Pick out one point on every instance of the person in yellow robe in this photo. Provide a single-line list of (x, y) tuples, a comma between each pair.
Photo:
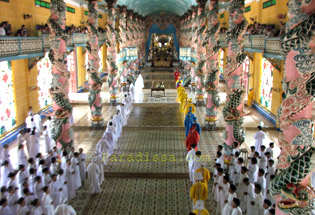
[(186, 102), (199, 208), (205, 174), (182, 101), (180, 90), (199, 190), (188, 105), (201, 212)]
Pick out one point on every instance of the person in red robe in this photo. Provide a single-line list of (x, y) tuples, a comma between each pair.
[(176, 75), (192, 138)]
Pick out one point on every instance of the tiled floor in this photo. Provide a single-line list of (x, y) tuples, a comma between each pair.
[(155, 128)]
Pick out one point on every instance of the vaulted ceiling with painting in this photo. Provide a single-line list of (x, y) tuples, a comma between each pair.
[(156, 7)]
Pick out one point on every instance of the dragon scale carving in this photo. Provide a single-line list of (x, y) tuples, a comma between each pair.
[(291, 187), (92, 47), (62, 133), (233, 75)]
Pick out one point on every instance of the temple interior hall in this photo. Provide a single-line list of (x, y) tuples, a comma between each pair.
[(173, 107)]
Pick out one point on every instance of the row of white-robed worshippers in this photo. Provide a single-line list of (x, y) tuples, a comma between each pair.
[(108, 143), (40, 185), (44, 183)]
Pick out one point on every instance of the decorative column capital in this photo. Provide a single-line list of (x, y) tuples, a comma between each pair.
[(189, 14), (194, 9), (122, 9), (110, 4), (201, 3)]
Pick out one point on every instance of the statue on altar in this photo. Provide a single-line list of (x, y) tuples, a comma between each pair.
[(162, 51)]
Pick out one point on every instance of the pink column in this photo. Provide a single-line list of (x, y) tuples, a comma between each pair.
[(111, 58), (95, 82), (213, 100), (62, 133), (292, 185), (233, 74)]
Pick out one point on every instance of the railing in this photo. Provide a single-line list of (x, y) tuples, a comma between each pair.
[(14, 46), (270, 45)]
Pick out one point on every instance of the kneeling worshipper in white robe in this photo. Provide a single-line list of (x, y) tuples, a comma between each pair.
[(122, 110), (47, 202), (128, 107), (94, 172), (132, 92), (99, 162), (138, 88), (110, 135), (118, 122), (65, 210), (105, 149)]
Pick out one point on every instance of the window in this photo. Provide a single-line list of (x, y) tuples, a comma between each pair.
[(247, 9), (221, 62), (246, 64), (71, 64), (222, 15), (70, 10), (100, 54), (43, 4), (44, 79), (86, 12), (5, 0), (269, 3), (266, 83), (7, 106), (100, 16)]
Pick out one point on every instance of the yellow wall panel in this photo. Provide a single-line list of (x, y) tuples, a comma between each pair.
[(21, 89), (224, 21), (267, 15), (14, 10), (257, 76), (81, 66)]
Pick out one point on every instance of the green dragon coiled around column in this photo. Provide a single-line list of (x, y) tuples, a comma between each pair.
[(292, 185), (60, 100), (293, 175), (61, 131)]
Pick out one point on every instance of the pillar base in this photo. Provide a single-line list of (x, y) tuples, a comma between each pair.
[(113, 101), (200, 101), (97, 124), (211, 124)]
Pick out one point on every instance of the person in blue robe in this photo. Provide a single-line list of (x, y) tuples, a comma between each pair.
[(189, 121), (198, 128)]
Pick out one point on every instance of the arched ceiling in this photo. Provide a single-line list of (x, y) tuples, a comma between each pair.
[(148, 7), (157, 7)]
